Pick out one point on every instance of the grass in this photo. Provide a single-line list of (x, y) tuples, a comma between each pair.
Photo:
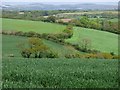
[(19, 72), (26, 26), (59, 73), (10, 46), (101, 40), (114, 20)]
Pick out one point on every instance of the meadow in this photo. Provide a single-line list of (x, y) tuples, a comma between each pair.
[(100, 40), (27, 25), (10, 46)]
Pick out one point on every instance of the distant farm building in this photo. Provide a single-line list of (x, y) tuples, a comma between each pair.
[(21, 13), (64, 20)]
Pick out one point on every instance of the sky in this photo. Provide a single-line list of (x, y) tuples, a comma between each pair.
[(60, 0)]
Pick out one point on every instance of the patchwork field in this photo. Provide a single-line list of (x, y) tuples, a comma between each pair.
[(26, 26), (101, 40), (60, 72)]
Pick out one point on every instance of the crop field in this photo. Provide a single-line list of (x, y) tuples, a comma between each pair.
[(19, 72), (26, 26), (57, 73), (100, 40), (10, 46)]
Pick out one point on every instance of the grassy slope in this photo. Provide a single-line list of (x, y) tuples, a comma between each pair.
[(34, 73), (10, 46), (103, 41), (36, 26)]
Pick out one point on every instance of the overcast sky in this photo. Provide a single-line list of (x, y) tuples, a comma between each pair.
[(60, 0)]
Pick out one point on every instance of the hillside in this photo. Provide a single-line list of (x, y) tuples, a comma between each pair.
[(13, 41), (59, 6), (101, 40), (26, 26)]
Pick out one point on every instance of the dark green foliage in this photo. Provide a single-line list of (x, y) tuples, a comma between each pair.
[(59, 73), (51, 54), (36, 48), (26, 53), (51, 19), (84, 21)]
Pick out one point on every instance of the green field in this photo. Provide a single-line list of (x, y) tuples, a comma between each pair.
[(114, 20), (19, 72), (59, 73), (101, 40), (26, 26), (10, 46)]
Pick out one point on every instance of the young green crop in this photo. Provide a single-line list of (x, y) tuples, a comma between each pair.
[(59, 73)]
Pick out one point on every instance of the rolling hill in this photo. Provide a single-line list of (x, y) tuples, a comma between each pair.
[(26, 26), (10, 46), (101, 40)]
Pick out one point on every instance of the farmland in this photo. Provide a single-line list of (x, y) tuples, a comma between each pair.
[(55, 73), (100, 39), (103, 41), (10, 46), (59, 73), (26, 26), (39, 52)]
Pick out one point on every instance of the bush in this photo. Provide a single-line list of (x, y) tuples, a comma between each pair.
[(51, 54), (77, 55), (30, 34), (26, 53), (90, 56), (107, 56), (116, 57)]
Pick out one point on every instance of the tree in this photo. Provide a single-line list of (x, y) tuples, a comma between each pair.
[(85, 44), (68, 31), (33, 46), (37, 46), (51, 19)]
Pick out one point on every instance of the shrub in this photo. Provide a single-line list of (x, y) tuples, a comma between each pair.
[(51, 54), (19, 33), (30, 34), (77, 55), (90, 56), (26, 53), (116, 57), (107, 56)]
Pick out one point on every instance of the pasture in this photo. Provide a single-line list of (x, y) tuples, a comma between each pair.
[(10, 46), (27, 25), (100, 40)]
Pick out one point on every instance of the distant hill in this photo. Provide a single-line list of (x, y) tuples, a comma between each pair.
[(57, 6)]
